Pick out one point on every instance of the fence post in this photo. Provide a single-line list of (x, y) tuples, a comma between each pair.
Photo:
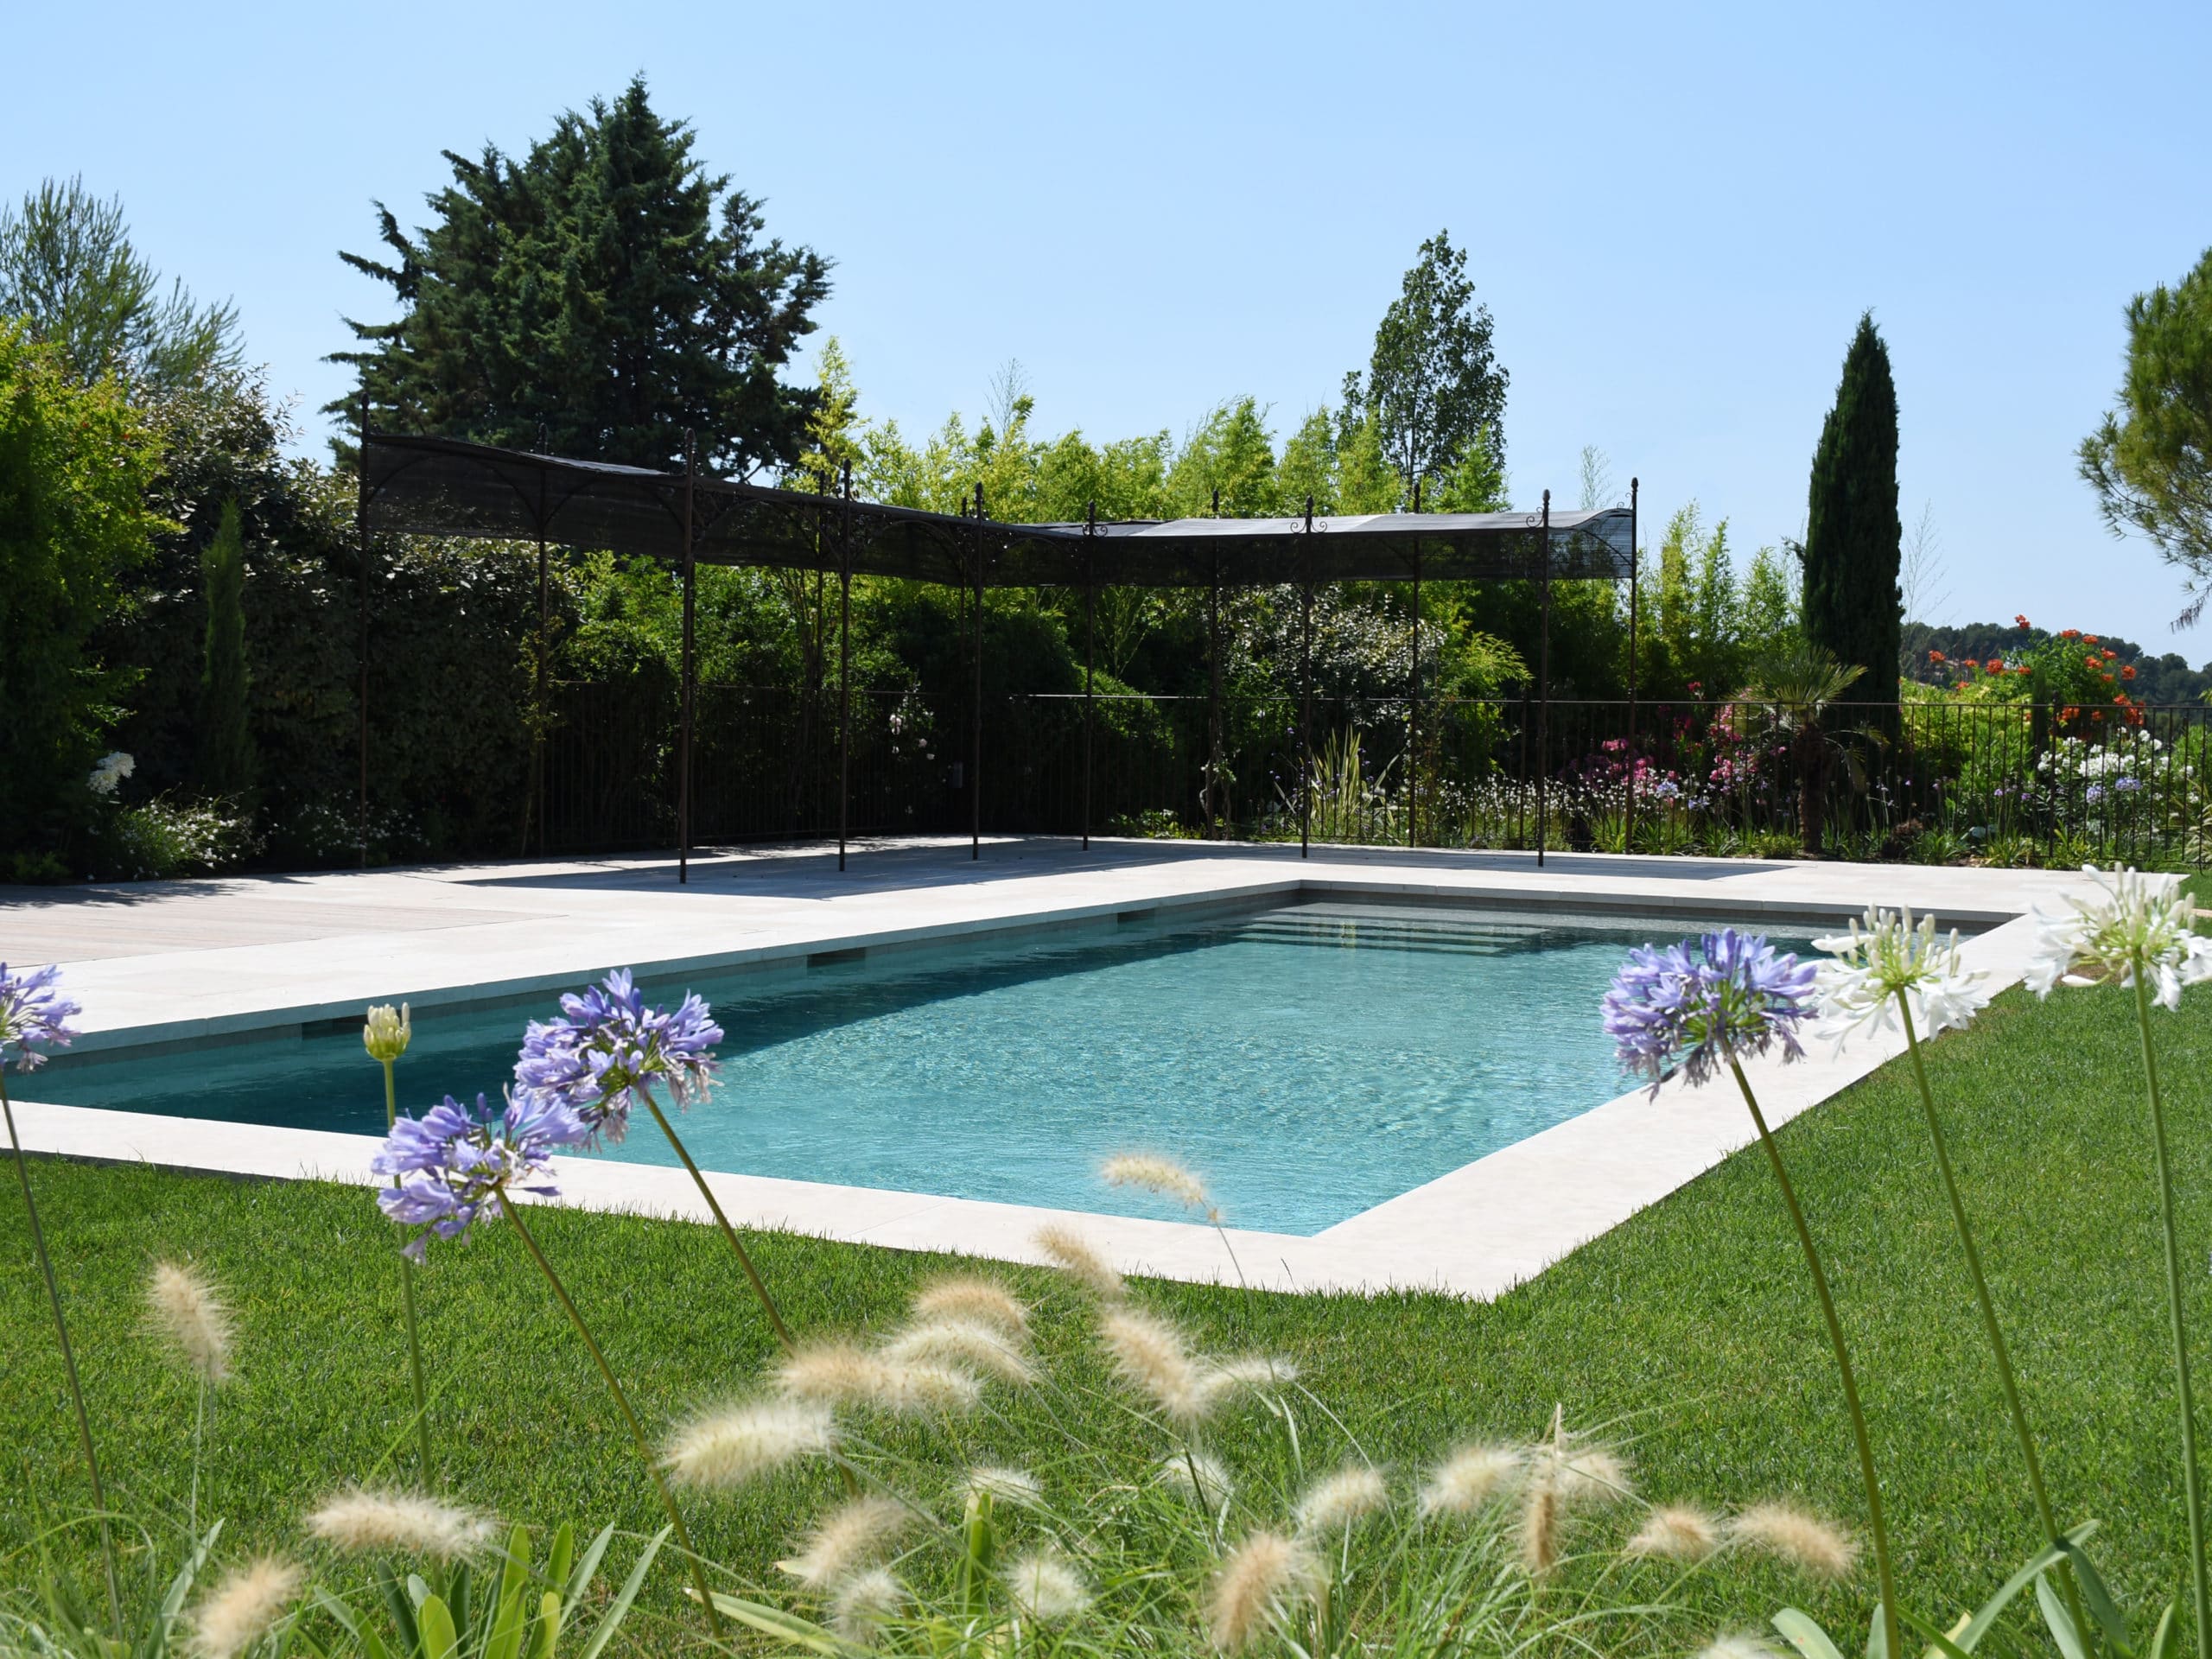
[(1628, 835), (1305, 692), (683, 723), (1544, 688), (1089, 655), (845, 666)]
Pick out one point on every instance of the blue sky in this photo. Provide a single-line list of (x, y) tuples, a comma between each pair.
[(1674, 214)]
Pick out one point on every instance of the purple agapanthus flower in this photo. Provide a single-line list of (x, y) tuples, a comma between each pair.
[(609, 1044), (449, 1165), (1679, 1010), (33, 1015)]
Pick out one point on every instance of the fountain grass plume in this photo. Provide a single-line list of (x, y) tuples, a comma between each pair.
[(737, 1443), (192, 1319), (1148, 1354), (1733, 999), (602, 1057), (1795, 1535), (864, 1603), (1003, 1485), (1342, 1498), (1264, 1580), (1046, 1587), (2139, 931), (1676, 1532), (849, 1537), (1736, 1644), (981, 1301), (1151, 1174), (245, 1608), (962, 1342), (1073, 1254), (1196, 1477), (34, 1016), (842, 1373), (367, 1521), (1472, 1476)]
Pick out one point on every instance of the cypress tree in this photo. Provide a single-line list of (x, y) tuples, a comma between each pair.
[(226, 758), (1853, 538)]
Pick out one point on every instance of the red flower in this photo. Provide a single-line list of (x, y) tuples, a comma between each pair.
[(1934, 656), (2110, 653), (2070, 633), (2069, 713), (1995, 665), (2088, 638), (2127, 670), (2020, 621), (2022, 668)]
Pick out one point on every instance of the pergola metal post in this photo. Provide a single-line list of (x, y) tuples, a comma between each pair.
[(361, 523), (683, 725), (844, 665), (975, 751), (1090, 656), (1544, 690), (1412, 706), (1627, 838), (1213, 693), (1305, 691)]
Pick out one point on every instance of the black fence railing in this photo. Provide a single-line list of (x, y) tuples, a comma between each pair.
[(1932, 782)]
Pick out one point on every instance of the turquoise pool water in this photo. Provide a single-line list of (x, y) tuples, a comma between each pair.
[(1309, 1061)]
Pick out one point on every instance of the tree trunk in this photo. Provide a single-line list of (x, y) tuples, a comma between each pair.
[(1809, 750)]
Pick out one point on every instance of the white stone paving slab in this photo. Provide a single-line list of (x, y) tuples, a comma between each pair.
[(183, 963)]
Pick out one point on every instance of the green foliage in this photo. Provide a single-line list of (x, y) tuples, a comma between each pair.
[(605, 290), (68, 270), (1433, 386), (75, 461), (1853, 538), (164, 837), (2150, 460), (225, 759)]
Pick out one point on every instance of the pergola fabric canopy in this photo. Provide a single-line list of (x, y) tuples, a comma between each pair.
[(443, 486)]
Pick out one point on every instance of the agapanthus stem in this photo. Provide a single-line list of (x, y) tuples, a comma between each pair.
[(68, 1360), (407, 1303), (744, 1259), (512, 1211), (1875, 1527), (2004, 1377), (2192, 1489)]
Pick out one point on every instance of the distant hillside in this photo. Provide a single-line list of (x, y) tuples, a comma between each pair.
[(2158, 679)]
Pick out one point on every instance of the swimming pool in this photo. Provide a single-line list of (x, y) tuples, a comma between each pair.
[(1309, 1059)]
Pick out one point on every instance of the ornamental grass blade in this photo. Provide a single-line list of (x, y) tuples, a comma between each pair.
[(2030, 1571), (2102, 1607), (373, 1645), (2162, 1645), (156, 1641), (618, 1609), (1877, 1636), (790, 1628), (2059, 1622), (1799, 1629), (440, 1640)]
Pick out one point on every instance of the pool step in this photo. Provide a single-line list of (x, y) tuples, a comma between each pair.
[(1385, 932)]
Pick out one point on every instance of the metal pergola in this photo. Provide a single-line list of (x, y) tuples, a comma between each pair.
[(446, 487)]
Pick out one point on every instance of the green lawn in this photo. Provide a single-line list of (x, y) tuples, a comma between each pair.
[(1693, 1320)]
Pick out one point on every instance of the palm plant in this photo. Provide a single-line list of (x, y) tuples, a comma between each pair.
[(1798, 690)]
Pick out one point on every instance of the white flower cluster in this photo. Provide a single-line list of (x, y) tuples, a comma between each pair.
[(1891, 956), (109, 771), (2133, 923)]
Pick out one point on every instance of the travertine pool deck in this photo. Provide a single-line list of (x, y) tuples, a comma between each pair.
[(188, 962)]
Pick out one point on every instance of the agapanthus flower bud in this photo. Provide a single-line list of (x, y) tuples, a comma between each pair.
[(32, 1016), (609, 1044), (388, 1032)]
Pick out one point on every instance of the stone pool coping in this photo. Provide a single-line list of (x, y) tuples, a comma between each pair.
[(226, 960)]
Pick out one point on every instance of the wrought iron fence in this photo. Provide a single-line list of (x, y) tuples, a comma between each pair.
[(1925, 781)]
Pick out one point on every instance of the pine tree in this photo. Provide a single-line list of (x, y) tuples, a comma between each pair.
[(1853, 538), (605, 290), (226, 758)]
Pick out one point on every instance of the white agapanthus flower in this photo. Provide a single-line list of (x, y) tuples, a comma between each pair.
[(1888, 955), (2132, 919), (109, 771)]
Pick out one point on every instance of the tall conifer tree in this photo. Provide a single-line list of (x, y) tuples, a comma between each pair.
[(1853, 538), (225, 757)]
